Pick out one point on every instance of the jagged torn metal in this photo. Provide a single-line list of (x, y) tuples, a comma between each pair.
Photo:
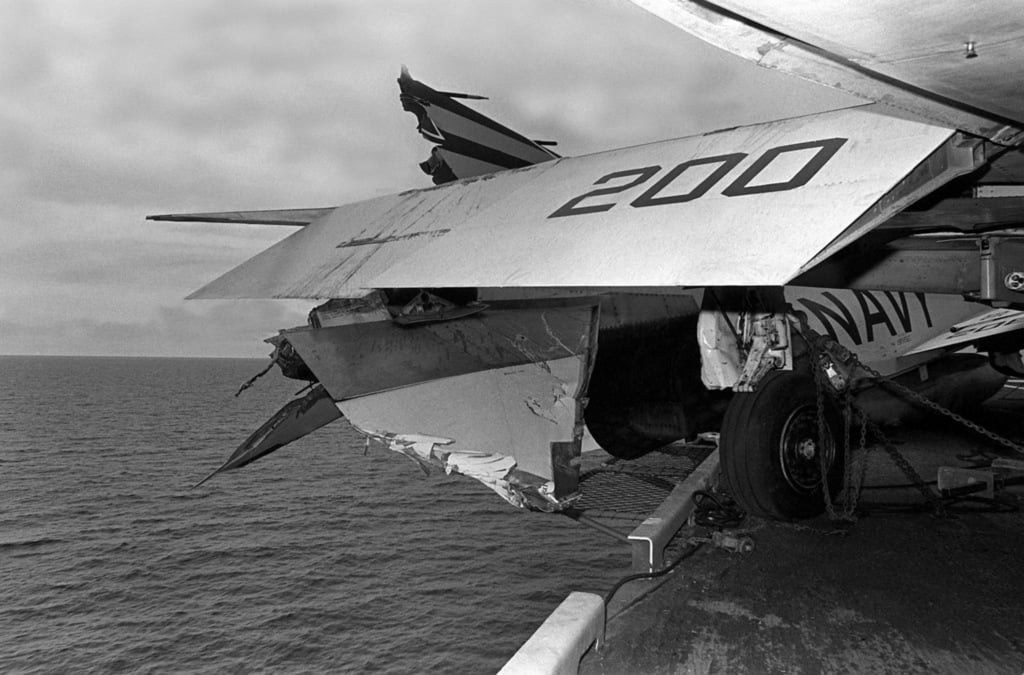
[(496, 426), (493, 470)]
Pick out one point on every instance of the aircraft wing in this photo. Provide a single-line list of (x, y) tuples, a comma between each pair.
[(753, 205), (944, 61), (500, 394)]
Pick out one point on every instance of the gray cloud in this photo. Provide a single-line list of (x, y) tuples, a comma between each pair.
[(201, 329), (113, 109)]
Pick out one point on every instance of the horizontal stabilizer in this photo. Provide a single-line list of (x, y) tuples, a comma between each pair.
[(297, 418), (989, 324), (753, 205), (293, 217)]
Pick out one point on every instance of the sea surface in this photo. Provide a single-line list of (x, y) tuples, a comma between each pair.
[(318, 558)]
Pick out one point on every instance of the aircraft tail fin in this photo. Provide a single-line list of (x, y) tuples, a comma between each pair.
[(467, 143)]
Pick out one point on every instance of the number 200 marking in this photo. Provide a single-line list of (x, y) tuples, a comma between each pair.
[(741, 186)]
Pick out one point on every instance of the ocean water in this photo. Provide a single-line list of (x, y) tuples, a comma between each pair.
[(319, 558)]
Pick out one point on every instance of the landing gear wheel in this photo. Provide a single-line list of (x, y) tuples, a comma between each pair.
[(771, 455)]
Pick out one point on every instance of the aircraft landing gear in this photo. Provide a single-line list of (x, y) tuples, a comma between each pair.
[(771, 456)]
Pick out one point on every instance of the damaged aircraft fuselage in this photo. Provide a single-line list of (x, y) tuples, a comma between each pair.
[(514, 393), (532, 307)]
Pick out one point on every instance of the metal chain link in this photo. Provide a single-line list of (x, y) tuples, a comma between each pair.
[(864, 459), (906, 467), (819, 391), (818, 347), (941, 410), (852, 493)]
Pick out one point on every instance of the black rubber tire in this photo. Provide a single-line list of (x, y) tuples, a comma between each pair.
[(753, 455)]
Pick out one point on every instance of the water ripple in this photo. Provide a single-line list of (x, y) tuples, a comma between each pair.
[(317, 558)]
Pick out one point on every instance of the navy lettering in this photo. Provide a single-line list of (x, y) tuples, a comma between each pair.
[(900, 309), (826, 315), (871, 319)]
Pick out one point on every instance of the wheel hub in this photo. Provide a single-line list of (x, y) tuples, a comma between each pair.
[(799, 450), (807, 449)]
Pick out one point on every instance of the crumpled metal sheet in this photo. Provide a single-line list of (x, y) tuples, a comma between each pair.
[(498, 472), (360, 358), (497, 396), (496, 426)]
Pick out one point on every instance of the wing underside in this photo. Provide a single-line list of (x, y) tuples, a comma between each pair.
[(937, 61)]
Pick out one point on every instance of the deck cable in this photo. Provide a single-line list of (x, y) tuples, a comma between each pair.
[(691, 549)]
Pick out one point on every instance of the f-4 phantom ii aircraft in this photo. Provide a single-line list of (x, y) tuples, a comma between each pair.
[(530, 307)]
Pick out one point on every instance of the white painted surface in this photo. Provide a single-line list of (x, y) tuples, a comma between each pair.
[(516, 412), (920, 43), (497, 231), (987, 324), (907, 55), (557, 646), (884, 328)]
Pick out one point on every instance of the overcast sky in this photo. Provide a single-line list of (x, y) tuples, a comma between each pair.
[(114, 109)]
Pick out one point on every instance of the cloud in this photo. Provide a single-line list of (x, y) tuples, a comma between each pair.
[(114, 109), (232, 329)]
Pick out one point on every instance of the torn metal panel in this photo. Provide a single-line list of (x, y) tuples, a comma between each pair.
[(497, 396), (493, 470), (358, 359), (297, 418), (517, 410), (347, 311), (468, 143), (497, 426)]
